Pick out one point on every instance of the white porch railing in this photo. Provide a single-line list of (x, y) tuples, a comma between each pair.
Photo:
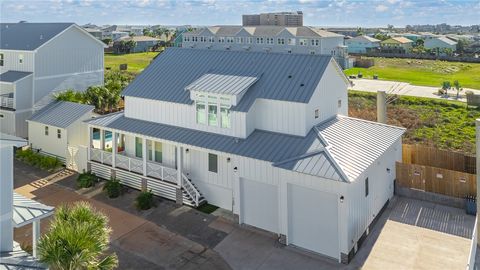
[(6, 102), (190, 189), (154, 169)]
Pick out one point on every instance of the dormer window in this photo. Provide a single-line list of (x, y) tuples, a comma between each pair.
[(200, 109)]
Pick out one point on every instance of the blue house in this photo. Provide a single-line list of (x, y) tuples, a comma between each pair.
[(362, 44)]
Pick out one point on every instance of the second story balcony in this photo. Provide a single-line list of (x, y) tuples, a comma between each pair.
[(7, 101)]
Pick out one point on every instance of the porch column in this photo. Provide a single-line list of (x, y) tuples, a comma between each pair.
[(90, 143), (102, 139), (35, 236), (144, 155), (114, 148), (179, 194)]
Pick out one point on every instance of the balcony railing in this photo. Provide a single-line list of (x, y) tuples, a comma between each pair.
[(6, 102)]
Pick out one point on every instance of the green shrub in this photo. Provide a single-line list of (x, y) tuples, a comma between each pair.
[(113, 188), (38, 160), (144, 200), (86, 180)]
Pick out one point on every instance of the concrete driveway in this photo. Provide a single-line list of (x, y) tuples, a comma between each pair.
[(402, 88)]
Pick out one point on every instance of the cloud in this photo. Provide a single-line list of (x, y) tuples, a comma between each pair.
[(381, 8), (392, 1)]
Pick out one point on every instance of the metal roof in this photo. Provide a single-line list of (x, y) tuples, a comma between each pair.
[(262, 145), (287, 77), (19, 259), (355, 144), (11, 141), (264, 31), (61, 113), (13, 76), (26, 211), (222, 84), (28, 36), (339, 149)]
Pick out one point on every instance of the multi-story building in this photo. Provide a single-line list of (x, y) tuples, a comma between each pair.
[(295, 40), (38, 60), (362, 44), (263, 135), (276, 18)]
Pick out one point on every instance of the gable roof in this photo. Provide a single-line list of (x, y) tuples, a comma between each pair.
[(138, 38), (265, 31), (363, 38), (61, 113), (13, 76), (28, 36), (287, 77), (401, 40), (222, 83), (446, 40), (339, 149)]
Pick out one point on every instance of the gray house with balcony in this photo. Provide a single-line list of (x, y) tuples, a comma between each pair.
[(38, 60)]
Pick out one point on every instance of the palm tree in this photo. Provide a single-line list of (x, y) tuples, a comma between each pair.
[(78, 239), (445, 86), (458, 88), (70, 95), (95, 95)]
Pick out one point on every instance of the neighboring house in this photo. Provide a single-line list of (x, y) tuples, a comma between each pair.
[(362, 44), (302, 40), (440, 44), (57, 126), (95, 33), (143, 43), (17, 211), (264, 135), (396, 45), (115, 35), (411, 36), (38, 60)]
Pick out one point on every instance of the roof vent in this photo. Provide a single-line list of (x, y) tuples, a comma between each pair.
[(289, 76), (302, 85)]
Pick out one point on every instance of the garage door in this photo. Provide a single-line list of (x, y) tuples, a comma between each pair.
[(313, 220), (259, 203)]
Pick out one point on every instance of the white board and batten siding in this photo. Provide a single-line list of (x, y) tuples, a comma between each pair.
[(11, 61)]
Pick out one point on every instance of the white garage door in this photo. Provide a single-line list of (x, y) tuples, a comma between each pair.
[(259, 203), (313, 220)]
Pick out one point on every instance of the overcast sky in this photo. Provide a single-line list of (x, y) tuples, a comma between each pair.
[(210, 12)]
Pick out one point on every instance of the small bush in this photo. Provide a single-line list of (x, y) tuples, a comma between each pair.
[(113, 188), (86, 180), (38, 160), (144, 200)]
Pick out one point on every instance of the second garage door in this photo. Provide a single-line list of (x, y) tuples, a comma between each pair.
[(312, 222), (259, 202)]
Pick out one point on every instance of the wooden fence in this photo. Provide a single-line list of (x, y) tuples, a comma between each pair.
[(429, 156), (437, 180)]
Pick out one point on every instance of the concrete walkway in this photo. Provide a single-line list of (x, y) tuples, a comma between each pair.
[(406, 89)]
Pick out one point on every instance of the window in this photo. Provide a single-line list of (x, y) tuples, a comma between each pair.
[(339, 103), (158, 151), (212, 163), (201, 119), (280, 41), (138, 147), (1, 59), (249, 40), (221, 39), (269, 40), (2, 116), (225, 116), (20, 58), (59, 134), (291, 41), (366, 187), (212, 114), (259, 40), (211, 39), (303, 42), (46, 131), (312, 52), (229, 39), (239, 40), (317, 114), (314, 42)]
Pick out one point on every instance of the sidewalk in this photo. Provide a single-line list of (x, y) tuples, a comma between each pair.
[(406, 89)]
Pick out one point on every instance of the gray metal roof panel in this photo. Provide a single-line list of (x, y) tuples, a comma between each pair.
[(355, 144), (287, 77), (28, 36), (13, 76), (25, 210), (262, 145), (61, 113), (230, 84)]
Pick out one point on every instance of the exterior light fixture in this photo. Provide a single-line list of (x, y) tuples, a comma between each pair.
[(235, 169), (342, 198), (187, 150), (228, 159)]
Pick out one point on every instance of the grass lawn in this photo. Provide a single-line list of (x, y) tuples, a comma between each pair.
[(439, 123), (136, 61), (422, 72)]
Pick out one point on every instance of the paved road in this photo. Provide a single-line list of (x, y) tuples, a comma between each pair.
[(402, 88)]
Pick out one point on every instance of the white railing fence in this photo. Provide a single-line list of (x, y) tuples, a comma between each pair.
[(154, 169), (473, 248)]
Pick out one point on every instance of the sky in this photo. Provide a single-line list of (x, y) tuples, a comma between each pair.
[(356, 13)]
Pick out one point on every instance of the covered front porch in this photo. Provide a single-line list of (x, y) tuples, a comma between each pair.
[(156, 165)]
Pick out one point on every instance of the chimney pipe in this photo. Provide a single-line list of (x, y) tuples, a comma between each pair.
[(381, 107), (6, 198)]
